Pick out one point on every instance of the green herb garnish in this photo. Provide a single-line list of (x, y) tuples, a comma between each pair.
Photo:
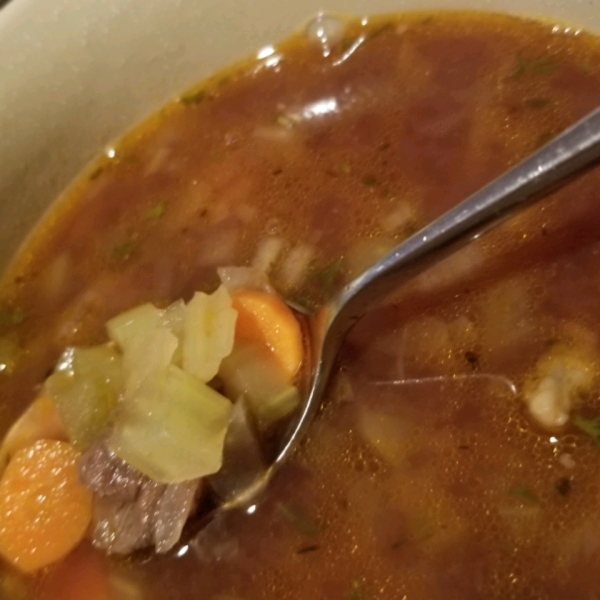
[(329, 275), (193, 98), (589, 426), (96, 173), (522, 491), (538, 102), (157, 211), (11, 316), (123, 251), (303, 524), (544, 65), (369, 180)]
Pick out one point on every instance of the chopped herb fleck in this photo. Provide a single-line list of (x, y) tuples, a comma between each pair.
[(96, 173), (298, 520), (346, 168), (11, 316), (524, 492), (308, 549), (538, 102), (157, 211), (193, 98), (544, 65), (123, 251), (589, 426), (370, 180), (563, 486), (381, 29)]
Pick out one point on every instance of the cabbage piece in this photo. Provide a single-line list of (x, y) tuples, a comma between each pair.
[(209, 329), (129, 326), (173, 318), (252, 372), (147, 357), (173, 428), (85, 388)]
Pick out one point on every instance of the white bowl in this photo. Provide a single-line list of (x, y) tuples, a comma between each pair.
[(76, 73)]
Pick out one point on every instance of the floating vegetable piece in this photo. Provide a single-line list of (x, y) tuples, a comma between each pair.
[(129, 326), (243, 461), (40, 421), (209, 328), (174, 429), (146, 359), (234, 278), (44, 510), (561, 377), (265, 319), (251, 371), (85, 388)]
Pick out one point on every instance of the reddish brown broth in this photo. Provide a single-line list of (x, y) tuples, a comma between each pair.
[(442, 488)]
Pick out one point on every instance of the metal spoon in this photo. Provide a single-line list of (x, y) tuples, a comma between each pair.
[(568, 154)]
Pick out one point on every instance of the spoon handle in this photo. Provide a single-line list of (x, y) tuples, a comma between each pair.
[(566, 155)]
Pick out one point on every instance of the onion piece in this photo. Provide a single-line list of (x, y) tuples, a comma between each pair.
[(252, 372), (267, 253), (387, 435), (295, 265), (209, 329), (234, 278), (243, 461)]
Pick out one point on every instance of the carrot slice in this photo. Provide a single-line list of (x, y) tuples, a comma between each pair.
[(81, 576), (44, 510), (40, 421), (264, 318)]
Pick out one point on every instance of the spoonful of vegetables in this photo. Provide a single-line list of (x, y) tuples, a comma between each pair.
[(213, 394)]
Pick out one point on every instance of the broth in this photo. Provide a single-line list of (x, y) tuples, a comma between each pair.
[(424, 476)]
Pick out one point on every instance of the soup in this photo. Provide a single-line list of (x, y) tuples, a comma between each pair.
[(455, 453)]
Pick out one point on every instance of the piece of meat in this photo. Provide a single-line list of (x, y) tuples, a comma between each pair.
[(131, 511)]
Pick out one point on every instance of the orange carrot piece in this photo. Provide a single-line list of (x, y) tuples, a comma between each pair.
[(40, 421), (81, 576), (264, 318), (44, 510)]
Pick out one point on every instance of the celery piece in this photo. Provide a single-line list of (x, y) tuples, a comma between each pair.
[(252, 372), (208, 334), (85, 388), (174, 429), (130, 325)]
